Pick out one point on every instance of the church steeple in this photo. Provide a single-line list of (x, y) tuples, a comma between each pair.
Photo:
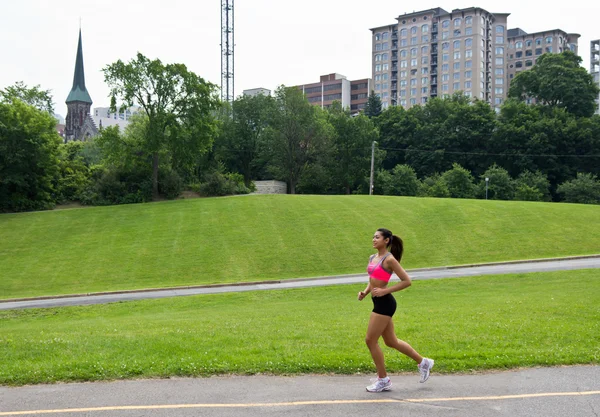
[(79, 92)]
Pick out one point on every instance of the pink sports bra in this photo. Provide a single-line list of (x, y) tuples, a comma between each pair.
[(377, 271)]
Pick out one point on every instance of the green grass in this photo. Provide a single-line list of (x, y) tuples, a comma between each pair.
[(466, 324), (250, 238)]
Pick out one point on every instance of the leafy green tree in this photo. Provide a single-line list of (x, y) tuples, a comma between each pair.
[(298, 133), (584, 189), (74, 176), (34, 96), (460, 182), (179, 106), (29, 148), (243, 135), (500, 186), (351, 146), (558, 80), (433, 186), (404, 181), (397, 128), (532, 186), (373, 106)]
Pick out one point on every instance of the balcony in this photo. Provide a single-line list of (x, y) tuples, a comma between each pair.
[(394, 78)]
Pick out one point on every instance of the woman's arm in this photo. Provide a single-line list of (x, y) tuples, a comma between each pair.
[(363, 294)]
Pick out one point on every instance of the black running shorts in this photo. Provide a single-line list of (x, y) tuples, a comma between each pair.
[(385, 305)]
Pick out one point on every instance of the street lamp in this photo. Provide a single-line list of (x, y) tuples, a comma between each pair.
[(487, 180), (372, 167)]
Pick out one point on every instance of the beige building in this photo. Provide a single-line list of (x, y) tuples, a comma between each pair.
[(435, 53), (524, 48), (595, 67), (352, 94)]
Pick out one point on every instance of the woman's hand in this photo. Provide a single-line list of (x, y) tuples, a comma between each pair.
[(361, 295), (379, 292)]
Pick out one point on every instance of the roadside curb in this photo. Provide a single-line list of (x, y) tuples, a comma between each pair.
[(271, 282)]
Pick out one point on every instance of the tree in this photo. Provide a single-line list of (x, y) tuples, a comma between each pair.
[(179, 106), (558, 80), (29, 147), (298, 133), (373, 107), (351, 144), (433, 186), (35, 96), (404, 181), (460, 182), (532, 186), (243, 135), (584, 189), (500, 185)]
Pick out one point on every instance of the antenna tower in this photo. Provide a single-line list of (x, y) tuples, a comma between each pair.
[(227, 48)]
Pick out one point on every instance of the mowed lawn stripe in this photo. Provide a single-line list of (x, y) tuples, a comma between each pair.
[(253, 238)]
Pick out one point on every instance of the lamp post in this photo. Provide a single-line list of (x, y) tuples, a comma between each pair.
[(487, 180), (372, 167)]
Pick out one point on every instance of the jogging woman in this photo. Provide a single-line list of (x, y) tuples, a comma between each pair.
[(381, 266)]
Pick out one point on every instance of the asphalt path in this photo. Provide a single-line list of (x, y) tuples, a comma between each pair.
[(548, 392), (543, 265)]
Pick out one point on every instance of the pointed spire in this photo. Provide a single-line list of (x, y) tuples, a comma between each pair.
[(79, 92)]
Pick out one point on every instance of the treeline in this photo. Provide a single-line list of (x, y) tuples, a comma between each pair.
[(186, 139)]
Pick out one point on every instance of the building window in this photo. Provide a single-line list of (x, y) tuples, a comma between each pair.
[(456, 32), (378, 36), (378, 77), (499, 90), (549, 49), (413, 30), (384, 86), (499, 39), (423, 100), (469, 20), (499, 50), (538, 51), (425, 50), (499, 61), (425, 39), (467, 85), (403, 102), (456, 76), (518, 54), (499, 29), (457, 55), (519, 64), (385, 46), (403, 64), (403, 83), (403, 32), (499, 71), (468, 74), (413, 81), (445, 46), (385, 67), (403, 53), (499, 81), (446, 24), (383, 77), (425, 60), (403, 74), (403, 42), (468, 53), (425, 29), (413, 91), (445, 67), (538, 41), (413, 52), (528, 43), (528, 63), (519, 44), (384, 35), (402, 93), (445, 87), (468, 64), (528, 52), (413, 62), (425, 71), (456, 66), (549, 39), (445, 77), (445, 34), (424, 80), (456, 86), (468, 43), (413, 101), (445, 57), (469, 31), (424, 90), (456, 44), (378, 47), (413, 40), (498, 101), (457, 22)]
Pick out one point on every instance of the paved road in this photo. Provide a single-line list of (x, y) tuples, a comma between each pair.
[(547, 392), (431, 273)]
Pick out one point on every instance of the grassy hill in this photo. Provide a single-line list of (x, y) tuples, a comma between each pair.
[(250, 238)]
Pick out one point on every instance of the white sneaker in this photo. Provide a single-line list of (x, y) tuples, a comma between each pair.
[(380, 385), (424, 368)]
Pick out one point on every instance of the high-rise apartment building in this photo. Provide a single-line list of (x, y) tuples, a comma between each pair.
[(332, 87), (524, 48), (435, 53), (595, 67)]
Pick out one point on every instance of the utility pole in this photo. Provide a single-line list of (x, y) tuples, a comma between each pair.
[(372, 167)]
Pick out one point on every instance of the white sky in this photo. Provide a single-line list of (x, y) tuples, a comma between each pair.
[(277, 41)]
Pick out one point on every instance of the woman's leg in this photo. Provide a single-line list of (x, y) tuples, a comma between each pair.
[(390, 339), (377, 323)]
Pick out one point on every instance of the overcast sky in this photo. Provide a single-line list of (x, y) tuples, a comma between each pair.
[(277, 41)]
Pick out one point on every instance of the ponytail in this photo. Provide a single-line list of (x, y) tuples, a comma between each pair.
[(395, 244), (396, 247)]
